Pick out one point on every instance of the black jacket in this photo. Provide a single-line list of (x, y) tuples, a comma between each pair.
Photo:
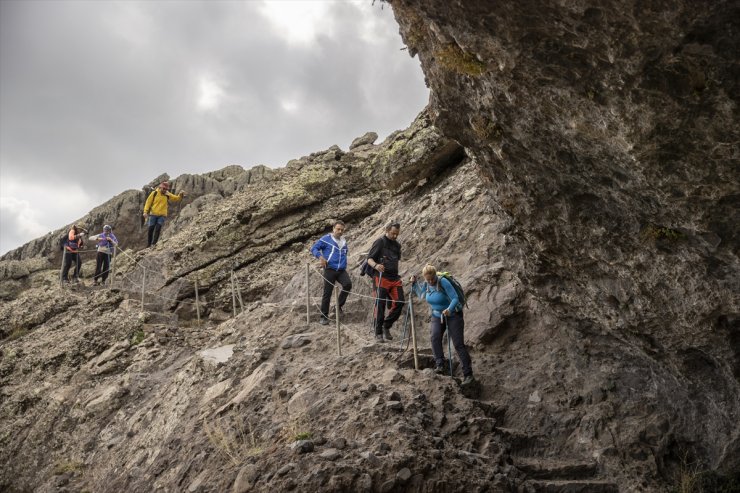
[(387, 252)]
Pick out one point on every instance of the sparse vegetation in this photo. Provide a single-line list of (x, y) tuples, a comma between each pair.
[(17, 333), (138, 336), (304, 435), (453, 58), (693, 478), (65, 467), (662, 233), (236, 442), (296, 430)]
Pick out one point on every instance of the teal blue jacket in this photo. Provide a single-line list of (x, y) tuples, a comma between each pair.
[(439, 299)]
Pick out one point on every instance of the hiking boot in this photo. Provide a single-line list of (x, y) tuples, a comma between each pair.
[(439, 369), (324, 321), (468, 380), (379, 338), (387, 334)]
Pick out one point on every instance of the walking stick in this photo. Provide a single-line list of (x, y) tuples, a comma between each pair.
[(413, 329), (405, 326), (61, 272), (377, 298)]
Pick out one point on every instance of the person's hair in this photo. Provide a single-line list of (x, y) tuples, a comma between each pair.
[(429, 269), (338, 221), (392, 225)]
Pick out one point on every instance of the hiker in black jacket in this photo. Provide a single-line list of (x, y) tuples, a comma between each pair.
[(384, 257)]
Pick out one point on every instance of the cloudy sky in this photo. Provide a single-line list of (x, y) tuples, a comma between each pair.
[(97, 97)]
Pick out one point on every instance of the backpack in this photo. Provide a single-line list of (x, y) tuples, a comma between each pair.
[(63, 242), (366, 270), (458, 288)]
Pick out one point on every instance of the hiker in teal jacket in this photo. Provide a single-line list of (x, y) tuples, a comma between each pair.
[(447, 314)]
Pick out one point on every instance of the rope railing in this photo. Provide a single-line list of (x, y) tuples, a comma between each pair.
[(339, 288), (237, 299)]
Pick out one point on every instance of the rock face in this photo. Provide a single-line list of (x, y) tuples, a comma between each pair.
[(590, 217), (124, 212), (608, 133)]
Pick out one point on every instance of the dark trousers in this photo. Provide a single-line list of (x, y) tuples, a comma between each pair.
[(102, 266), (455, 325), (153, 234), (392, 293), (71, 259), (332, 276)]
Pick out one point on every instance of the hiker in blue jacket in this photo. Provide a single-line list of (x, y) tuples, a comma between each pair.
[(331, 250), (447, 314)]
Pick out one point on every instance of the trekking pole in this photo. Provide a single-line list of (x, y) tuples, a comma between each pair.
[(336, 317), (405, 326), (449, 342), (197, 302), (143, 284), (413, 329), (113, 266), (377, 299), (308, 298)]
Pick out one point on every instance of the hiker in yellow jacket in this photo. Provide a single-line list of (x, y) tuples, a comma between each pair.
[(155, 209)]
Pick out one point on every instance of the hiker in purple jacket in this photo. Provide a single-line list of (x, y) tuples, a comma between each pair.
[(105, 242)]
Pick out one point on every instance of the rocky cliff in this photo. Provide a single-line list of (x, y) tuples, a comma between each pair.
[(576, 169), (608, 132)]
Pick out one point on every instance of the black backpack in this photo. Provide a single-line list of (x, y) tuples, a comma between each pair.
[(366, 270)]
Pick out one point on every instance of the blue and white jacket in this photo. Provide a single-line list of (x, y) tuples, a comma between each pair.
[(334, 253)]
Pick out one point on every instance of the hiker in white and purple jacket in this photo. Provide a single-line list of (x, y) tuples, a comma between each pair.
[(106, 242), (331, 250)]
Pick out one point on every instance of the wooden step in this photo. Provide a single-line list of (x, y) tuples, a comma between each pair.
[(569, 486), (539, 468)]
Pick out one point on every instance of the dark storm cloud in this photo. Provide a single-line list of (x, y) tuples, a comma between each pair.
[(107, 95)]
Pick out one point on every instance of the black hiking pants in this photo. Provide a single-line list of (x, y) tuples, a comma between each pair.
[(102, 266), (455, 326), (331, 277), (70, 259)]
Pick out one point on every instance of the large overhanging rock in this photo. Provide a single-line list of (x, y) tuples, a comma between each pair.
[(609, 132)]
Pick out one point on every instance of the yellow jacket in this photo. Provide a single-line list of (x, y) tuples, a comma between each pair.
[(156, 203)]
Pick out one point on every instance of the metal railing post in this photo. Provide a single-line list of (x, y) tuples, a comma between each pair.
[(197, 302), (233, 293), (308, 298), (336, 317), (143, 285), (413, 329)]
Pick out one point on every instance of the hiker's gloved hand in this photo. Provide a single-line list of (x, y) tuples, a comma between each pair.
[(412, 279), (446, 312), (323, 262)]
